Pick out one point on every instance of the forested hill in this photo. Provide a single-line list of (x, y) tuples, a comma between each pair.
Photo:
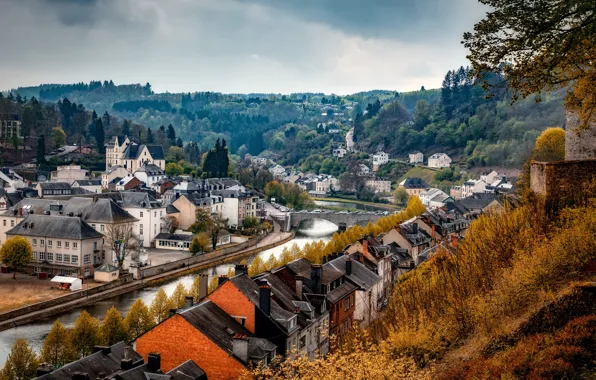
[(456, 119)]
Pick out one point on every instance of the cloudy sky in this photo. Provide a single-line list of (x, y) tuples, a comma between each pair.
[(332, 46)]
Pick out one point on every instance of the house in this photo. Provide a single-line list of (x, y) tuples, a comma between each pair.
[(146, 209), (416, 158), (479, 203), (378, 159), (413, 185), (455, 192), (252, 304), (363, 170), (106, 273), (91, 185), (339, 152), (278, 171), (369, 287), (53, 188), (379, 185), (164, 185), (376, 257), (439, 160), (187, 205), (119, 362), (10, 126), (238, 205), (150, 174), (8, 200), (122, 151), (489, 177), (11, 181), (114, 172), (410, 237), (69, 173), (179, 241), (62, 245), (127, 183), (206, 334), (433, 198), (472, 186)]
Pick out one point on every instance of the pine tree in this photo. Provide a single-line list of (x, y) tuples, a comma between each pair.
[(57, 347), (126, 127), (150, 138), (85, 334), (171, 134), (138, 319), (41, 150), (179, 143), (21, 363), (100, 136), (160, 307), (113, 328)]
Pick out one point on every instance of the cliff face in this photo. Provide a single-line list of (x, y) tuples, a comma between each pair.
[(579, 144)]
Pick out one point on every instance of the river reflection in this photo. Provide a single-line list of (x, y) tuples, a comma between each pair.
[(35, 332)]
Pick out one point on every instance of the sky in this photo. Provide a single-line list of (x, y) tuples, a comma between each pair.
[(236, 46)]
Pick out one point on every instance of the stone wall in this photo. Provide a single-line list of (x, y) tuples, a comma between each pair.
[(563, 179), (579, 144)]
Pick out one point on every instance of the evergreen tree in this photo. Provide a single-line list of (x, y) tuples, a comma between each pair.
[(100, 136), (57, 347), (171, 134), (138, 319), (126, 127), (179, 143), (21, 363), (113, 328), (85, 334), (41, 150), (150, 138)]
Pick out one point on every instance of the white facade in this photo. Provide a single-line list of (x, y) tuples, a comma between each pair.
[(69, 173), (472, 186), (363, 169), (150, 177), (91, 187), (416, 158), (439, 160), (339, 152), (278, 171), (434, 198), (489, 177), (113, 173), (379, 185), (380, 158), (350, 140), (148, 225), (367, 309)]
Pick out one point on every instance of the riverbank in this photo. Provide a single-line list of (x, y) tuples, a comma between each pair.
[(53, 307), (385, 206)]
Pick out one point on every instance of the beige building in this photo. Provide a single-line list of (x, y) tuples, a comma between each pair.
[(115, 171), (187, 205), (10, 126), (69, 173), (413, 185), (131, 155), (62, 245), (379, 185)]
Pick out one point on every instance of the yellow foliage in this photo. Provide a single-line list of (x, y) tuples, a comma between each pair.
[(550, 145)]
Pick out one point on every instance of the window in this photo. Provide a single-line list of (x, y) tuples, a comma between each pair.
[(67, 259), (50, 256), (34, 241), (42, 256), (66, 244), (49, 243), (87, 259), (95, 246), (155, 214), (59, 244), (141, 214), (58, 257), (42, 242), (101, 228), (74, 245), (161, 213), (4, 222), (35, 255), (12, 223), (140, 229), (347, 303), (87, 272), (93, 225), (74, 259), (302, 342)]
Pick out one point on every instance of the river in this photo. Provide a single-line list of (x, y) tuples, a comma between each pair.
[(36, 332)]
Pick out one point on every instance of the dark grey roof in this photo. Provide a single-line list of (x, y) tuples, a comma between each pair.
[(106, 268), (341, 291), (88, 182), (136, 199), (171, 209), (414, 183), (11, 198), (361, 276), (156, 152), (37, 205), (174, 237), (119, 139), (331, 273), (55, 185), (133, 151), (300, 267), (477, 201), (259, 348), (98, 210), (94, 364), (419, 238), (151, 169), (78, 191), (186, 370), (63, 227)]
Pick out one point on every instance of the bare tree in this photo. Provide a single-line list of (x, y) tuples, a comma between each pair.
[(123, 241), (170, 224), (217, 223)]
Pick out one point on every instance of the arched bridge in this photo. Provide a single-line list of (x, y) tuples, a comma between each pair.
[(341, 219)]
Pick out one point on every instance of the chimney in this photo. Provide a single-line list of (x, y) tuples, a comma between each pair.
[(265, 299), (221, 280), (433, 232), (105, 349), (454, 240), (203, 286), (348, 266), (80, 376), (20, 211), (414, 228), (240, 347), (188, 301), (44, 369), (241, 269), (316, 278), (299, 284), (154, 361), (172, 312), (365, 246), (125, 364), (325, 259)]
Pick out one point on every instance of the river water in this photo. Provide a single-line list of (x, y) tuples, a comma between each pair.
[(36, 332)]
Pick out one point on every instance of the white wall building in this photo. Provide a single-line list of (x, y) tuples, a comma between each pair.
[(434, 198), (278, 171), (69, 173), (91, 185), (416, 158), (489, 177), (439, 160), (150, 174), (472, 186), (339, 152), (380, 158)]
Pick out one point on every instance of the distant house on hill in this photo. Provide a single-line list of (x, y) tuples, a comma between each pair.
[(439, 160), (416, 158), (413, 185), (130, 155)]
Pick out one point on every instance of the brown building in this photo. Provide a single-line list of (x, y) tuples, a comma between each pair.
[(207, 335)]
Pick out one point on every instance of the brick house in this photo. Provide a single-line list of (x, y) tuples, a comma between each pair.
[(207, 335)]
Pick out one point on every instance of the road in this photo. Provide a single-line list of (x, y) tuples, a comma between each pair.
[(67, 149)]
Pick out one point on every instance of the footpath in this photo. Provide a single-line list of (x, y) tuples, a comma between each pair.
[(27, 314)]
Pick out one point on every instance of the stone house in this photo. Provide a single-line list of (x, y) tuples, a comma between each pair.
[(439, 160)]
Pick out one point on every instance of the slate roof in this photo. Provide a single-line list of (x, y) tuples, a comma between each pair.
[(55, 185), (186, 370), (156, 152), (174, 237), (407, 230), (414, 183), (98, 210), (361, 276), (341, 291), (133, 151), (106, 268), (120, 140), (11, 198), (220, 328), (136, 199), (300, 267), (88, 182), (151, 169), (62, 227), (37, 205), (171, 209), (94, 364)]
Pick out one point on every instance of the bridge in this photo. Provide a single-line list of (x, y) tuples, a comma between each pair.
[(341, 219)]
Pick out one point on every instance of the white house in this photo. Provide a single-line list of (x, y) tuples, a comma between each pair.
[(339, 152), (11, 181), (434, 198), (380, 158), (147, 210), (379, 185), (278, 171), (363, 169), (439, 160), (416, 158), (115, 171), (150, 174), (489, 177), (472, 186)]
